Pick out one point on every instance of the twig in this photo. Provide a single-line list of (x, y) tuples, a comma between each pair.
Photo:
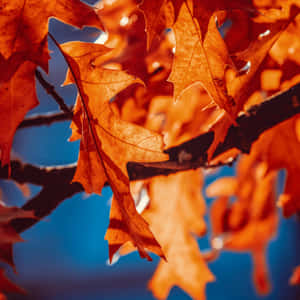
[(45, 202), (47, 119), (43, 176), (51, 91)]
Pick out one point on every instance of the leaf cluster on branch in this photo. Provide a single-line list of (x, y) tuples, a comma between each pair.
[(177, 86)]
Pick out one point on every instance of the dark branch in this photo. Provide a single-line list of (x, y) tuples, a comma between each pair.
[(260, 118), (45, 202), (27, 173), (56, 181), (251, 125), (47, 119), (57, 187), (51, 91)]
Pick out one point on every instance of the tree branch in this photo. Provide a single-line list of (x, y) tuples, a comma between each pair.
[(57, 187), (251, 125), (44, 176), (45, 202), (56, 181), (51, 91)]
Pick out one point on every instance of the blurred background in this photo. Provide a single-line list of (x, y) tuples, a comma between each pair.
[(65, 255)]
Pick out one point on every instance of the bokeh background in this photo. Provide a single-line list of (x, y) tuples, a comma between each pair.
[(65, 255)]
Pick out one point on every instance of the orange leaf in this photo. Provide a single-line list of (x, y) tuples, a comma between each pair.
[(199, 59), (176, 211), (175, 202), (18, 97), (272, 147), (266, 31), (158, 16), (295, 278), (108, 143), (24, 26), (251, 221)]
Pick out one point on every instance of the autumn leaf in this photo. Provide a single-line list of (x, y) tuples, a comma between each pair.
[(199, 59), (184, 119), (228, 56), (159, 15), (111, 14), (270, 148), (7, 286), (177, 199), (97, 85), (162, 14), (252, 60), (176, 202), (108, 143), (250, 222), (235, 89), (295, 278), (23, 44), (14, 105), (266, 33), (126, 35), (24, 26)]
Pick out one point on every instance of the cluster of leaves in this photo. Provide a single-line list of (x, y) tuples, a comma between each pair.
[(169, 71)]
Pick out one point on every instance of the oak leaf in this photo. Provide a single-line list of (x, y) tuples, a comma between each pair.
[(271, 148), (199, 59), (251, 221), (260, 33), (23, 46), (126, 35), (177, 203), (265, 32), (175, 213), (159, 15), (108, 143), (18, 96), (24, 26)]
